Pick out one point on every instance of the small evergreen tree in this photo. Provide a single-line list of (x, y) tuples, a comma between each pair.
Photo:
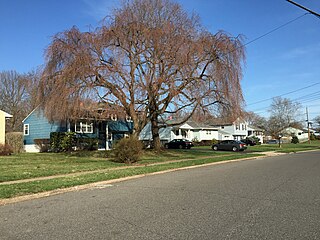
[(294, 139)]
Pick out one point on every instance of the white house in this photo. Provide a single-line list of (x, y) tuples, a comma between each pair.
[(256, 132), (236, 130), (216, 129), (290, 131), (190, 130)]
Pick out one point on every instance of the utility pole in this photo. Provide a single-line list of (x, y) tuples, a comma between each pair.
[(304, 8), (308, 123)]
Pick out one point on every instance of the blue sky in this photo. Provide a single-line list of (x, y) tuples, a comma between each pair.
[(286, 60)]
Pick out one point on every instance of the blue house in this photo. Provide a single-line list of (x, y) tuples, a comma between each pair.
[(107, 131)]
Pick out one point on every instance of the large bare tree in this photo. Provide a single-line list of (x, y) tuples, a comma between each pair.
[(18, 95), (283, 113), (151, 58)]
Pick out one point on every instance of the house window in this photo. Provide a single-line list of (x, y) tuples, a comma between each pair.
[(26, 129), (84, 127), (113, 117), (128, 119)]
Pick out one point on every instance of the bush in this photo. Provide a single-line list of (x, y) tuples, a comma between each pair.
[(214, 141), (312, 137), (15, 141), (295, 140), (128, 150), (203, 143), (5, 150), (89, 144), (254, 138), (43, 144), (62, 141)]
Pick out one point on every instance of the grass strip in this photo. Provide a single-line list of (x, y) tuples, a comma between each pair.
[(28, 166), (20, 189)]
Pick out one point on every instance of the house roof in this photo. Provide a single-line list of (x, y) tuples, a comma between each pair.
[(224, 132), (192, 124), (196, 125), (6, 115), (223, 121), (255, 128)]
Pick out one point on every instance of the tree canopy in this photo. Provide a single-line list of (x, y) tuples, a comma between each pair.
[(283, 113), (17, 96), (151, 58)]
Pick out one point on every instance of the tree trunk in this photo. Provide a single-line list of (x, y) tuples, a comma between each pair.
[(155, 135)]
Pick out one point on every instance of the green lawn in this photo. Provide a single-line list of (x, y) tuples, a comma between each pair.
[(285, 147), (28, 166), (19, 189), (32, 165)]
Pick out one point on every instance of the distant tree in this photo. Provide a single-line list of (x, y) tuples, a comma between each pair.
[(17, 96), (283, 113), (317, 121), (255, 120), (151, 58)]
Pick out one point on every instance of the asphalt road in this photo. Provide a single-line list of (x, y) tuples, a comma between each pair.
[(270, 198)]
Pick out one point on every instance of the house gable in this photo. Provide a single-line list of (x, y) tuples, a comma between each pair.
[(37, 126)]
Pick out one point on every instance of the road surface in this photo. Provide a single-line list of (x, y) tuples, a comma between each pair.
[(269, 198)]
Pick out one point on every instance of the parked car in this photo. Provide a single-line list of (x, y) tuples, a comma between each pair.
[(249, 142), (179, 143), (230, 145)]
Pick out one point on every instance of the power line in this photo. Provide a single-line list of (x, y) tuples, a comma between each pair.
[(304, 8), (267, 33), (315, 96), (275, 29), (284, 94)]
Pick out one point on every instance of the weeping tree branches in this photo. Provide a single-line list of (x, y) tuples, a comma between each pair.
[(150, 58)]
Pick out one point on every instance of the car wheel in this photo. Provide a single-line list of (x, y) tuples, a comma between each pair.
[(215, 148), (180, 146), (234, 149), (166, 146)]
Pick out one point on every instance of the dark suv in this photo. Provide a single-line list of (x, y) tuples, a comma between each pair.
[(179, 143), (249, 142)]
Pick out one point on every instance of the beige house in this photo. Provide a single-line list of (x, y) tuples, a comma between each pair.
[(3, 117)]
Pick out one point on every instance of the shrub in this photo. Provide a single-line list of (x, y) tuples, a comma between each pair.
[(62, 141), (254, 138), (15, 141), (43, 144), (295, 140), (203, 143), (89, 144), (128, 150), (5, 150), (312, 137), (214, 141)]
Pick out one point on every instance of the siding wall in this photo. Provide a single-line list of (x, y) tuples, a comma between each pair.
[(39, 127)]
